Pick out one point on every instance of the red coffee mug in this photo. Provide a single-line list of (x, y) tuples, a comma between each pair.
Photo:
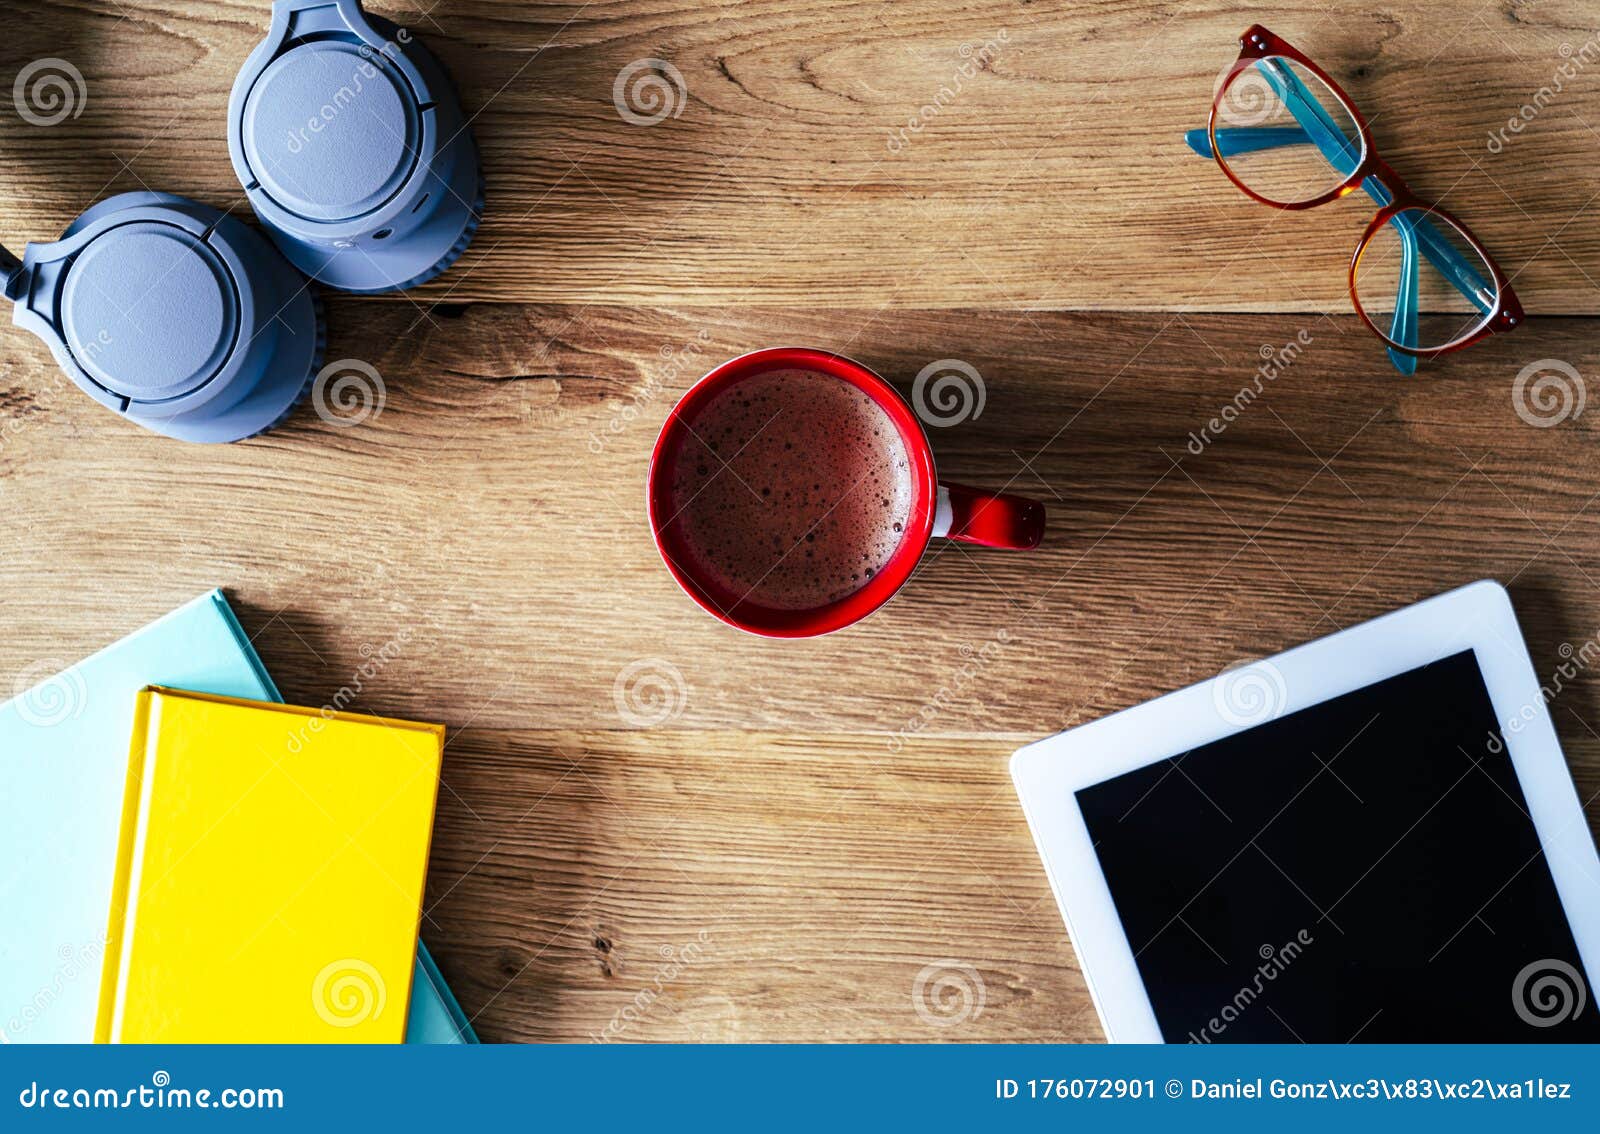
[(954, 511)]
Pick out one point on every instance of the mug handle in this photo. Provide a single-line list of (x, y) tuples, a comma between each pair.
[(989, 519)]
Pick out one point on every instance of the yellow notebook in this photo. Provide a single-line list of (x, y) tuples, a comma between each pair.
[(269, 874)]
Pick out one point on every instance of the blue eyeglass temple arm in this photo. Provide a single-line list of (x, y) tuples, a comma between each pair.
[(1317, 127), (1344, 154), (1233, 140)]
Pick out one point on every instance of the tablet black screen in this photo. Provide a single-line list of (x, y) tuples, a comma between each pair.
[(1363, 870)]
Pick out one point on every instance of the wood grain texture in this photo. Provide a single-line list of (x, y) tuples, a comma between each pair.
[(493, 513), (992, 153), (835, 815), (653, 828), (688, 886)]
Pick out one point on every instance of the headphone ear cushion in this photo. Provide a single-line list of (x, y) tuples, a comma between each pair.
[(175, 315), (313, 369), (474, 218), (353, 150)]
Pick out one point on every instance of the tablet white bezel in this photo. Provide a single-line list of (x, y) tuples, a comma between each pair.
[(1478, 616)]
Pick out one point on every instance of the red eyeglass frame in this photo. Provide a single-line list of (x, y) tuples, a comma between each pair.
[(1258, 43)]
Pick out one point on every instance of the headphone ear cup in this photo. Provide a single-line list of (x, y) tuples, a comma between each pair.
[(175, 315), (353, 150)]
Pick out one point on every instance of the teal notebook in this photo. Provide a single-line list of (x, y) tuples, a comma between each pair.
[(63, 763)]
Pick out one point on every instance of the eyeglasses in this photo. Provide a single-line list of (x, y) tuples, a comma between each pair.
[(1289, 137)]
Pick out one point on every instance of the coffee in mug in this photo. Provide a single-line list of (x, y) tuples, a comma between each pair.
[(794, 489), (792, 492)]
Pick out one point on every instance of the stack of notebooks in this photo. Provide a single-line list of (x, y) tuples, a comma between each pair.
[(183, 858)]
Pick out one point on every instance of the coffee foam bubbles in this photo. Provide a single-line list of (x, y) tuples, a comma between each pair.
[(792, 490)]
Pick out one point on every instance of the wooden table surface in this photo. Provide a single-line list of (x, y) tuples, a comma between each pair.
[(652, 827)]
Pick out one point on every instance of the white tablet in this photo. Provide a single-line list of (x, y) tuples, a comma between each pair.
[(1373, 837)]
